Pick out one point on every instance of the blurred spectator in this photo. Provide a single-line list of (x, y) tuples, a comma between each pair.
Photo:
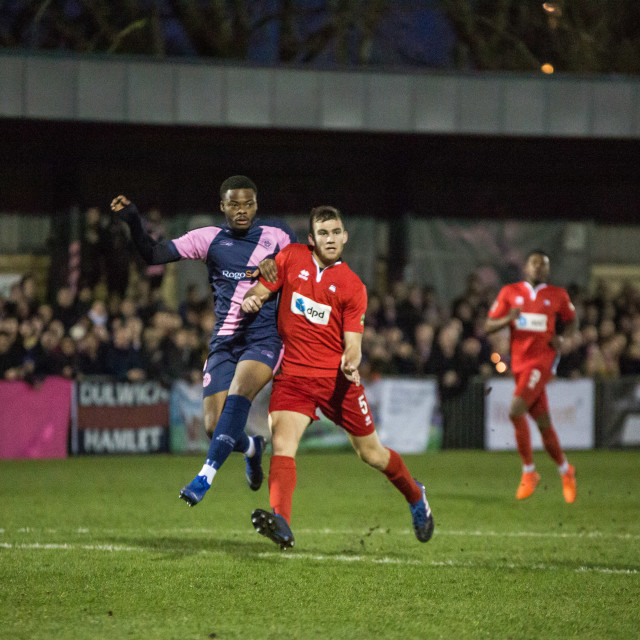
[(69, 358), (149, 301), (98, 314), (403, 360), (387, 316), (48, 358), (372, 314), (91, 356), (114, 301), (30, 333), (94, 246), (153, 360), (127, 310), (45, 313), (572, 355), (431, 310), (193, 305), (122, 359), (409, 312), (11, 357), (182, 358), (444, 362), (463, 311), (630, 360), (473, 359), (424, 334), (84, 300), (66, 309), (29, 295)]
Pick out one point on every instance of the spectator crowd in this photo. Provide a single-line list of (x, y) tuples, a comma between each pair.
[(125, 330)]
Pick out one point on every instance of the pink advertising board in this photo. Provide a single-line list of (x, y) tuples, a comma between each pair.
[(34, 421)]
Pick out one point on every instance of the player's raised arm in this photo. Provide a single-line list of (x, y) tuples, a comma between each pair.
[(255, 298), (151, 250)]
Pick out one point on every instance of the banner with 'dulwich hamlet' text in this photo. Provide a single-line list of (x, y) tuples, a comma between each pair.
[(120, 417)]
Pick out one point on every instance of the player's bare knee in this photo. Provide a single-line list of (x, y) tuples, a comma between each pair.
[(209, 427), (374, 457), (246, 390), (518, 408), (282, 445)]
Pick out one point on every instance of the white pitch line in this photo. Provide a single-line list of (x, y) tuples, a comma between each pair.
[(453, 564), (541, 534), (65, 546), (342, 532)]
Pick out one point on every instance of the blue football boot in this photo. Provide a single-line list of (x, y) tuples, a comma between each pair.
[(274, 527), (195, 490), (254, 472), (422, 516)]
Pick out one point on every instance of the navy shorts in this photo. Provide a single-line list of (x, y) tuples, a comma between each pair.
[(220, 366)]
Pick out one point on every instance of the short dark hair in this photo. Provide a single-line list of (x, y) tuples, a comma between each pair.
[(323, 213), (536, 252), (237, 182)]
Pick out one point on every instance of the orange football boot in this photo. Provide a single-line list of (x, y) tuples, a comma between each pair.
[(528, 484), (569, 489)]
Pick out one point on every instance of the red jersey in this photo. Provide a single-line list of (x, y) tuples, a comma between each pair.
[(536, 324), (316, 307)]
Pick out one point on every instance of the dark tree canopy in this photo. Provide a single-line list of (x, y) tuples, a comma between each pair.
[(577, 36)]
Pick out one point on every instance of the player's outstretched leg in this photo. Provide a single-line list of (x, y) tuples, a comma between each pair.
[(421, 515), (274, 527), (195, 490), (569, 489), (254, 472)]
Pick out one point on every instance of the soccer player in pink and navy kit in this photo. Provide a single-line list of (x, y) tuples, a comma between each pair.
[(244, 350), (530, 309)]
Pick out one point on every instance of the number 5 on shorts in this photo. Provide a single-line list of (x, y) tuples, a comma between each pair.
[(362, 401), (534, 378)]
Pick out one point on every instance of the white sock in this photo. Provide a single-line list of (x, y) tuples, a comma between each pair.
[(208, 472), (564, 467), (528, 468), (250, 452)]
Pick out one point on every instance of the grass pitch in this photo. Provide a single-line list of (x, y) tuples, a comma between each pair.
[(103, 548)]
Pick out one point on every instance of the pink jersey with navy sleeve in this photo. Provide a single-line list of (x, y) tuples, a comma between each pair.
[(231, 258)]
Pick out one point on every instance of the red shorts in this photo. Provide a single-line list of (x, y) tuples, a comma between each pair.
[(531, 387), (339, 400)]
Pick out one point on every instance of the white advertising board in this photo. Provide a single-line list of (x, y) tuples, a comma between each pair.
[(570, 404), (403, 412)]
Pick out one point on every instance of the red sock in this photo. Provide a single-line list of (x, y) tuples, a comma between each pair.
[(523, 438), (552, 444), (400, 477), (282, 482)]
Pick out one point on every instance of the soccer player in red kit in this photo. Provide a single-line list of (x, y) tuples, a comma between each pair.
[(320, 320), (530, 309)]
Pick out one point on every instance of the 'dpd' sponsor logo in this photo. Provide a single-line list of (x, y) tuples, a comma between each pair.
[(310, 309)]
